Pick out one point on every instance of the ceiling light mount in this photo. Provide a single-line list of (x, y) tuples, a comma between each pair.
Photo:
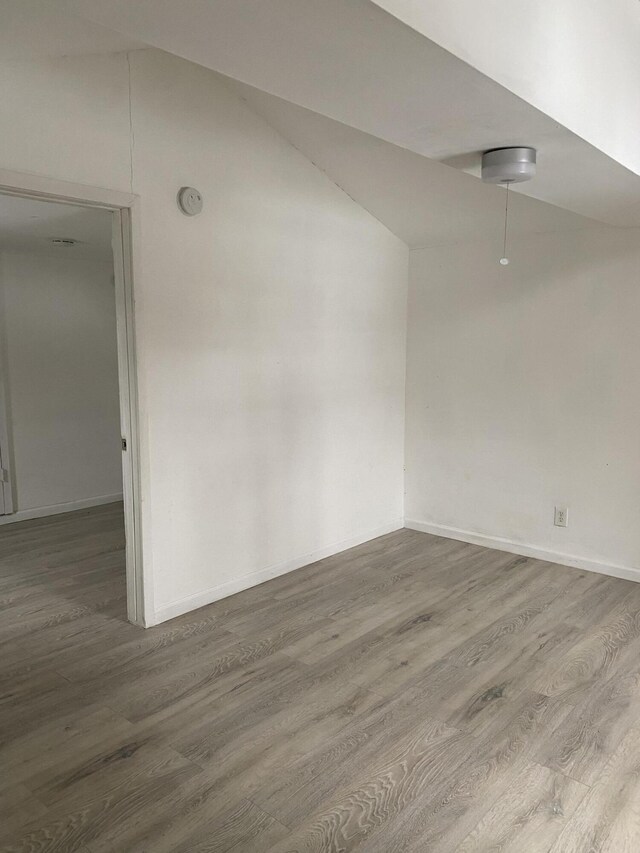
[(508, 165)]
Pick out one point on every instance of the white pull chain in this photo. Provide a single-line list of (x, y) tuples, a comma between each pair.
[(504, 260)]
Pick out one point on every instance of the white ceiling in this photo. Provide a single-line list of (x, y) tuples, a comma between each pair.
[(423, 202), (576, 61), (27, 225), (32, 28), (353, 62)]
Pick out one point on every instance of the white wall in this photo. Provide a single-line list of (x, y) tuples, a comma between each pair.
[(62, 371), (273, 343), (270, 329), (575, 60), (67, 118), (271, 346), (523, 393)]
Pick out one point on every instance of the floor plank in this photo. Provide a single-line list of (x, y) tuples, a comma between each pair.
[(608, 818), (529, 815)]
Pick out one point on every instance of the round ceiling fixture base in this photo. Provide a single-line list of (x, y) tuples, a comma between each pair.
[(508, 165)]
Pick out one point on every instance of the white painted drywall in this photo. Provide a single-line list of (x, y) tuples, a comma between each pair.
[(270, 329), (578, 61), (272, 335), (62, 371), (523, 393), (67, 118)]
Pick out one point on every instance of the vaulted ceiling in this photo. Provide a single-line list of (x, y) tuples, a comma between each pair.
[(392, 117), (422, 201), (353, 62)]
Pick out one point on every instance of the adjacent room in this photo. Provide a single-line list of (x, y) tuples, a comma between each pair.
[(60, 441), (318, 410)]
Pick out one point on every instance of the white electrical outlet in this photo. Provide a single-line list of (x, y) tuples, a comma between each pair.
[(561, 517)]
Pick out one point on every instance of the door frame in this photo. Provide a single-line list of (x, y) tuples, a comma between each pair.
[(125, 214), (6, 462)]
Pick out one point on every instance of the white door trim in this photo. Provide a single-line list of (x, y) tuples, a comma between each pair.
[(6, 462), (37, 186), (125, 211)]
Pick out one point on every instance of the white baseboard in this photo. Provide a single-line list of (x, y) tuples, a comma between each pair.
[(497, 542), (208, 596), (57, 509)]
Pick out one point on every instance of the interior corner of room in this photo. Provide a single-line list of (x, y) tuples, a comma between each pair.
[(319, 360), (274, 338)]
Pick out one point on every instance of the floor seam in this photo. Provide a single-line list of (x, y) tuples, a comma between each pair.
[(561, 773), (272, 816)]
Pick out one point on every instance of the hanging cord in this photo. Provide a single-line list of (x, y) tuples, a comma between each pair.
[(504, 260)]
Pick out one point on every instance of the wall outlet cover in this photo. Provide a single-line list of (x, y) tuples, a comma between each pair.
[(561, 516)]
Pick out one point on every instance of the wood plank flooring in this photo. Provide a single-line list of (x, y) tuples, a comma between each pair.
[(411, 694)]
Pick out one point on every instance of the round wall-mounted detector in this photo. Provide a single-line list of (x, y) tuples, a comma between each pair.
[(508, 165), (189, 201), (63, 241)]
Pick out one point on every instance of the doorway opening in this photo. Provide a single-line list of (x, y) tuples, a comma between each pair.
[(68, 413)]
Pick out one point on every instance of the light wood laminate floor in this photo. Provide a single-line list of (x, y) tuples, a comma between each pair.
[(411, 694)]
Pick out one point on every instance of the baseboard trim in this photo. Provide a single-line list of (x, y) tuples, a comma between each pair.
[(208, 596), (500, 544), (57, 509)]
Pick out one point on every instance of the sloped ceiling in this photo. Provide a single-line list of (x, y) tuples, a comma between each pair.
[(423, 202), (576, 61), (31, 29), (353, 62)]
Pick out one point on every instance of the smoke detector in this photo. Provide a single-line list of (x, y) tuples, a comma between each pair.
[(508, 165), (62, 241), (189, 201)]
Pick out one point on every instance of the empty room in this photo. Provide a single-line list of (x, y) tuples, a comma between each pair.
[(319, 394)]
